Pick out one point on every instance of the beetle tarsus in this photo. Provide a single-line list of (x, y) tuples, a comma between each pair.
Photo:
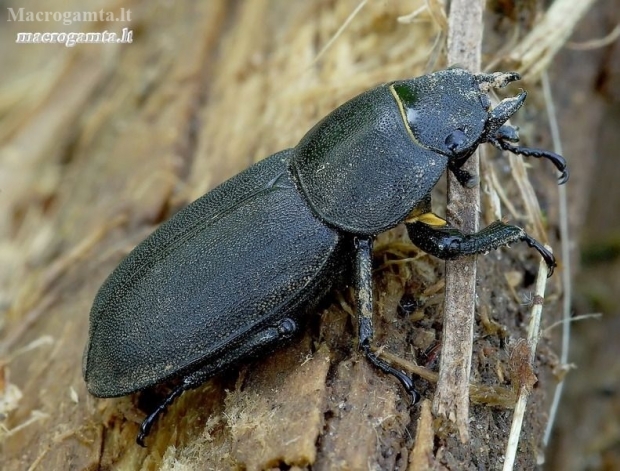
[(405, 380), (544, 252), (147, 423)]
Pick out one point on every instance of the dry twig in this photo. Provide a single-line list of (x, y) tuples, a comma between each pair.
[(452, 398), (525, 386)]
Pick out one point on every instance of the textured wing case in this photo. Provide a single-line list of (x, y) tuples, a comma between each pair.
[(219, 270)]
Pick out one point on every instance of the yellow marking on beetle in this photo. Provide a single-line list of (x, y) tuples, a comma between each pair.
[(403, 115), (430, 219)]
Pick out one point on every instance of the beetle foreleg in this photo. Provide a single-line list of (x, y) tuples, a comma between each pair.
[(464, 177), (447, 242), (363, 281)]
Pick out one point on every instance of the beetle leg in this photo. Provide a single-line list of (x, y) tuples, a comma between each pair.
[(363, 280), (447, 242), (464, 177), (147, 423), (261, 341)]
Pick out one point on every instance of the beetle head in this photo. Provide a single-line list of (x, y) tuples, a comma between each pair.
[(450, 111)]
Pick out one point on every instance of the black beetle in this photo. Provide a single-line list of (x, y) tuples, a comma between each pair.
[(232, 275)]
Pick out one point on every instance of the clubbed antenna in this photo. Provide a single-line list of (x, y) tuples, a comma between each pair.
[(556, 159)]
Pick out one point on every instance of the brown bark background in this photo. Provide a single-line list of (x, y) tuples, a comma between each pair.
[(101, 143)]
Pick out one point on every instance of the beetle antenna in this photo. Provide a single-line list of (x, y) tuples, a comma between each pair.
[(556, 159)]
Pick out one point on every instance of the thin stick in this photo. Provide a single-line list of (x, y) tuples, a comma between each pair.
[(535, 52), (581, 317), (452, 397), (340, 31), (596, 43), (533, 335), (566, 267)]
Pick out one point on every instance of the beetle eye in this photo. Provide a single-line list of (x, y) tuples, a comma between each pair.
[(455, 140)]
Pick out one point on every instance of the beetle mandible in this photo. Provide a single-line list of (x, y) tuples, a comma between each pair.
[(178, 306)]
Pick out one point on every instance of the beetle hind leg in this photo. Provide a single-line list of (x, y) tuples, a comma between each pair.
[(262, 341), (447, 242), (147, 424)]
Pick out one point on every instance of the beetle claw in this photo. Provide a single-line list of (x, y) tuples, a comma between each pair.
[(546, 254), (142, 436)]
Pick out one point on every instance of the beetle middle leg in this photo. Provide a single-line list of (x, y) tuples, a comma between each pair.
[(436, 237), (363, 282)]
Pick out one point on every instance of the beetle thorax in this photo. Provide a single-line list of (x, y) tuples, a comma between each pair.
[(359, 168)]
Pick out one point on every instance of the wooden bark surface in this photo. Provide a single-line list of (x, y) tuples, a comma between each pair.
[(99, 144)]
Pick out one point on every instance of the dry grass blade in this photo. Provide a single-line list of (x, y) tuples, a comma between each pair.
[(596, 43), (525, 387), (340, 31), (566, 272), (535, 52)]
